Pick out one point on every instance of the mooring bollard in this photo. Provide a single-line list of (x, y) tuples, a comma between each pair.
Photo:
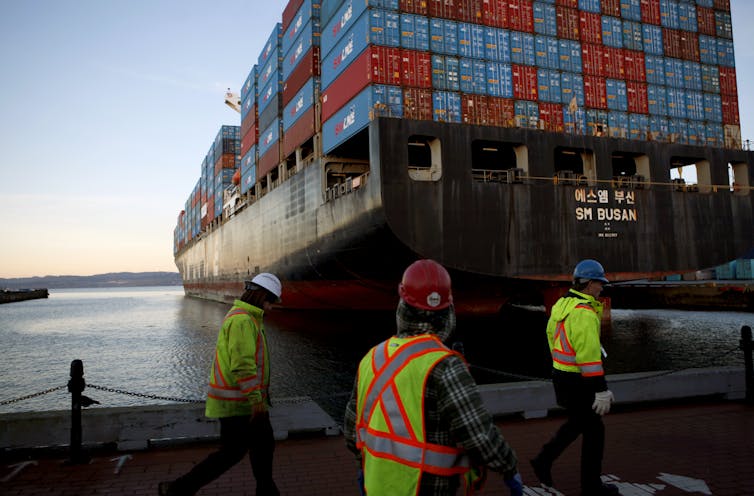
[(76, 386), (746, 346)]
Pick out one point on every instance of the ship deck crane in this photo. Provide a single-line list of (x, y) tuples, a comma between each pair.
[(233, 101)]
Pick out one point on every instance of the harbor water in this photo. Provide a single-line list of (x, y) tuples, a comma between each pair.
[(154, 346)]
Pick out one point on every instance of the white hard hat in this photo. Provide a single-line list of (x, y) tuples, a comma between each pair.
[(270, 282)]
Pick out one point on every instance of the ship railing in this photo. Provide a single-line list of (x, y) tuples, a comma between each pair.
[(349, 185), (508, 176)]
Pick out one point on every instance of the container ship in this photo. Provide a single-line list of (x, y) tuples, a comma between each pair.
[(506, 139)]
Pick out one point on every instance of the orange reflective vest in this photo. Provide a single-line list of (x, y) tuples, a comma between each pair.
[(240, 374), (390, 425)]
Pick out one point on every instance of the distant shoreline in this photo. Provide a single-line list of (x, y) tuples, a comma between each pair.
[(108, 280)]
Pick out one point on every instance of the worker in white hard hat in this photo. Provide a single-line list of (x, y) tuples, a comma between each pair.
[(239, 393)]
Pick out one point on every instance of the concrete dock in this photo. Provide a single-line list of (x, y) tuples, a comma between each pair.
[(661, 440)]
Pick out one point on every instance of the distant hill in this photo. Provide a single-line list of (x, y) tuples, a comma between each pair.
[(110, 280)]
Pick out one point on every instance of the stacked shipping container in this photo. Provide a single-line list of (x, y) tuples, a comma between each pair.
[(638, 69), (635, 69)]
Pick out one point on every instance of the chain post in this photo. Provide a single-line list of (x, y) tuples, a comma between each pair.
[(746, 346), (76, 386)]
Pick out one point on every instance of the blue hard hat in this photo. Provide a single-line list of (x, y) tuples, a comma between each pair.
[(589, 269)]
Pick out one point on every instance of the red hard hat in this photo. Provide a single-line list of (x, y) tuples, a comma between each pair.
[(426, 285)]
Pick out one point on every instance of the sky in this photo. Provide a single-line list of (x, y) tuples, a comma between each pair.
[(108, 108)]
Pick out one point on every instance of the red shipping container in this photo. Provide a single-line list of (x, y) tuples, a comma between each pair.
[(568, 23), (728, 84), (551, 115), (595, 92), (690, 46), (417, 104), (610, 7), (268, 161), (495, 13), (299, 133), (250, 120), (304, 71), (416, 69), (730, 109), (638, 102), (442, 8), (590, 27), (469, 11), (249, 139), (290, 12), (573, 4), (634, 66), (379, 65), (722, 5), (521, 15), (592, 59), (474, 109), (524, 82), (226, 161), (612, 63), (414, 6), (501, 112), (671, 42), (705, 19), (650, 12)]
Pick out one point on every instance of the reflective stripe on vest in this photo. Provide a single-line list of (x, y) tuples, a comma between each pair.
[(566, 355), (220, 388), (402, 444)]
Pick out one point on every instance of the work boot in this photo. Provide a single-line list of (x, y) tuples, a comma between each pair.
[(603, 490), (542, 470)]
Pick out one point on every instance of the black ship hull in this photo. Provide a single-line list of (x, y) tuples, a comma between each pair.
[(508, 211)]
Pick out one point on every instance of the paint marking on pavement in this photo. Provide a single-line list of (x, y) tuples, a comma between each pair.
[(685, 483), (18, 467)]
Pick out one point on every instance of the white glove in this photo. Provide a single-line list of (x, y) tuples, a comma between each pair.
[(602, 401)]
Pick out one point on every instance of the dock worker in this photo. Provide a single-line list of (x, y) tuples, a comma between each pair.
[(415, 420), (573, 333), (239, 394)]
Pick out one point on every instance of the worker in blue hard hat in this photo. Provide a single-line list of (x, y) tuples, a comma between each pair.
[(573, 333)]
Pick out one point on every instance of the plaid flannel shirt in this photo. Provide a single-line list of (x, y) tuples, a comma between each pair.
[(454, 416)]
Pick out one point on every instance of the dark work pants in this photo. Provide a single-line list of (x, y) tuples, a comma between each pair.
[(238, 435), (582, 421)]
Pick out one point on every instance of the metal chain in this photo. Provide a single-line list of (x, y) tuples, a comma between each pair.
[(28, 396), (142, 395)]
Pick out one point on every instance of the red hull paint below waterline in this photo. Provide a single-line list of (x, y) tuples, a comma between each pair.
[(346, 295)]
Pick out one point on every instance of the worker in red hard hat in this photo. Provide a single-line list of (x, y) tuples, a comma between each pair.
[(415, 419)]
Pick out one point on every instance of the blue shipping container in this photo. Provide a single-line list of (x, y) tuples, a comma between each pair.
[(612, 32), (443, 36), (695, 105), (676, 103), (273, 43), (617, 123), (547, 52), (590, 5), (674, 73), (269, 93), (414, 32), (617, 97), (638, 126), (347, 50), (300, 47), (655, 69), (250, 85), (710, 79), (545, 19), (713, 109), (657, 99), (632, 36), (669, 15), (300, 103), (308, 12), (687, 17), (725, 54), (653, 39), (526, 113), (572, 85), (631, 10), (270, 69), (678, 130), (714, 134), (697, 133), (708, 49), (445, 73), (248, 179), (658, 126), (269, 137), (692, 75), (355, 115), (249, 160), (522, 48), (446, 106), (499, 80), (473, 76), (343, 19)]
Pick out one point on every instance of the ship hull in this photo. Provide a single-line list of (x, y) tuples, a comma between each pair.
[(499, 240)]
